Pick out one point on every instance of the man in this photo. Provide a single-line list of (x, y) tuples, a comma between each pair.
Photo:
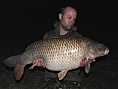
[(63, 28)]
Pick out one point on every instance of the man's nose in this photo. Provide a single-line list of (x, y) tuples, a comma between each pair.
[(72, 21)]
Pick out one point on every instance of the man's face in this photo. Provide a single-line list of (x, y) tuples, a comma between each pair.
[(68, 18)]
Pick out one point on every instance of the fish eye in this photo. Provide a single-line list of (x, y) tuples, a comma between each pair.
[(100, 45)]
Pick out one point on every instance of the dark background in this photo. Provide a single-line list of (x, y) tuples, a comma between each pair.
[(23, 22)]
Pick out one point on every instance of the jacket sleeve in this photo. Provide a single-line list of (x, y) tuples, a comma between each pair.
[(50, 34), (76, 34)]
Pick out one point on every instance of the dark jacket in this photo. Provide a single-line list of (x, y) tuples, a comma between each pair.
[(55, 32), (73, 75)]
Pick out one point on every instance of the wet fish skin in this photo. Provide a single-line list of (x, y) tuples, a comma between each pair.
[(58, 54)]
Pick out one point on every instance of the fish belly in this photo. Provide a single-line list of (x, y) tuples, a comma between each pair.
[(64, 63)]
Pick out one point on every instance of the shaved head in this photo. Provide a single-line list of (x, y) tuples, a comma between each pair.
[(64, 9)]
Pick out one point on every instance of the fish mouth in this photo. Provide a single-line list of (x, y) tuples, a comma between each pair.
[(106, 51)]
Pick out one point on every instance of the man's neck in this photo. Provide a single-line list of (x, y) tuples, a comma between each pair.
[(62, 31)]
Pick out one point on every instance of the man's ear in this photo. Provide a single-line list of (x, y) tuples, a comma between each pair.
[(60, 15)]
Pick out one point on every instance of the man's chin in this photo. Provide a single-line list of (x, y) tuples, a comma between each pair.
[(67, 29)]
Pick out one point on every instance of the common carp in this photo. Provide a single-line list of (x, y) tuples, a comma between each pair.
[(58, 54)]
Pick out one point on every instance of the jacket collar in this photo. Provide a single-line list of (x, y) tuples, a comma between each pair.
[(56, 25)]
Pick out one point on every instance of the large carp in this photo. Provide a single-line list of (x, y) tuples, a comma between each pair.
[(58, 54)]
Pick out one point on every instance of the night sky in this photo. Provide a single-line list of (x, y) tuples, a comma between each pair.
[(26, 21)]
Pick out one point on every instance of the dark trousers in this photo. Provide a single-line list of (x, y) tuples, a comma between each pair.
[(72, 75)]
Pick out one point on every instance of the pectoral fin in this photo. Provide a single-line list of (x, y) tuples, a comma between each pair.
[(87, 66), (62, 74), (18, 71), (35, 64)]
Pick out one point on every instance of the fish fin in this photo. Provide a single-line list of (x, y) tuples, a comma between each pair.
[(11, 61), (35, 64), (87, 66), (62, 74), (18, 71)]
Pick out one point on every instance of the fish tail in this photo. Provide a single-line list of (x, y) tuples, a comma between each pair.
[(11, 61), (14, 61)]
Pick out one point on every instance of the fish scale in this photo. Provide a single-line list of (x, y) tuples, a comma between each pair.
[(58, 54), (61, 61)]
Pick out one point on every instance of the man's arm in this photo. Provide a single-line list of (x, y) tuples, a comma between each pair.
[(75, 34)]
